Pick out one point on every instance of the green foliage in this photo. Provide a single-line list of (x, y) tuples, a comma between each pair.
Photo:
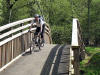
[(92, 50), (91, 65), (61, 13), (1, 11), (95, 17), (94, 27), (80, 10), (61, 34), (56, 13), (15, 10)]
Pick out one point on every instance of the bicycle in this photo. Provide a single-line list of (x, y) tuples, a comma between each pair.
[(35, 41), (40, 42)]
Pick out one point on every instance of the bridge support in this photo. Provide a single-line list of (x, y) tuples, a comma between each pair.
[(76, 62)]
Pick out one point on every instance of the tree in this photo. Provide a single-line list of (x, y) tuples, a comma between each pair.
[(1, 12), (15, 9)]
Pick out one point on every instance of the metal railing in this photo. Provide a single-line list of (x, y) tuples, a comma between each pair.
[(77, 51), (15, 39)]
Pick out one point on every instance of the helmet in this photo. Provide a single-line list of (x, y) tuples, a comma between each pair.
[(36, 15)]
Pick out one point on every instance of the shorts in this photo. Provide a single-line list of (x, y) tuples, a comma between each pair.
[(38, 30)]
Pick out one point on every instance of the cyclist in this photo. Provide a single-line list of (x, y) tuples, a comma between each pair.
[(40, 26)]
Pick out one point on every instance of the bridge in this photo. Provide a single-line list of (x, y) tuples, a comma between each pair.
[(52, 59)]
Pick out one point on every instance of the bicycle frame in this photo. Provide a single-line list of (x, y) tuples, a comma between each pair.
[(36, 38)]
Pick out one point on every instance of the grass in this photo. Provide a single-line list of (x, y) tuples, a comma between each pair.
[(91, 64), (96, 0)]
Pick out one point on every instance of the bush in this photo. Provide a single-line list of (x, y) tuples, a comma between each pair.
[(61, 35), (91, 65)]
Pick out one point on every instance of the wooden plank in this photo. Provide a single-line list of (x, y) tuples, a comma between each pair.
[(0, 57), (20, 43), (10, 47), (3, 55), (26, 40), (29, 39), (17, 47), (14, 48), (7, 52)]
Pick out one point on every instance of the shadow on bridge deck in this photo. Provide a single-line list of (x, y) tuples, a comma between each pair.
[(51, 60), (60, 61)]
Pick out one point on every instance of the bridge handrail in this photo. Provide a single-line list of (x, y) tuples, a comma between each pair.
[(77, 46), (14, 23), (16, 29), (77, 39)]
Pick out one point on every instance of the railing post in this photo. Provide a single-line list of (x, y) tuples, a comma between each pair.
[(0, 57), (12, 49), (22, 40), (76, 60)]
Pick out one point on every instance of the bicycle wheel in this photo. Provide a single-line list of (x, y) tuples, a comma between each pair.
[(39, 43), (42, 44), (32, 46)]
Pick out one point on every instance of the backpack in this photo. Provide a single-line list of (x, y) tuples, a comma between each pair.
[(41, 18)]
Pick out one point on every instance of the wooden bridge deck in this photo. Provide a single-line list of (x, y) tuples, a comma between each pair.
[(51, 60)]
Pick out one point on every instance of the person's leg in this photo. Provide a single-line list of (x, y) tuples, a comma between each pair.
[(42, 33), (36, 34), (42, 37)]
